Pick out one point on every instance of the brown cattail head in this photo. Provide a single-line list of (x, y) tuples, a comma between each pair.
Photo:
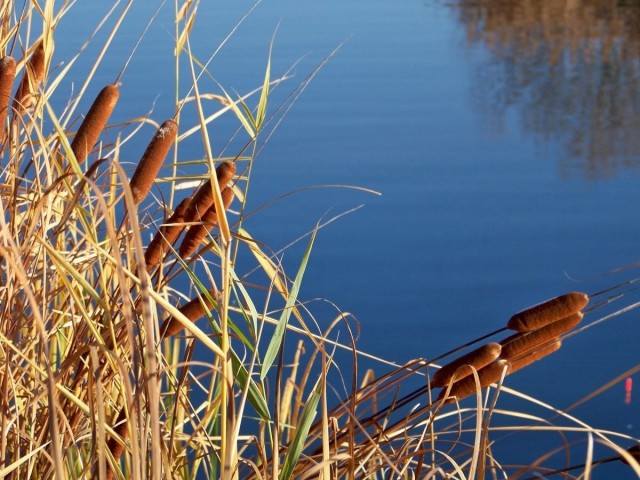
[(203, 198), (461, 367), (167, 235), (122, 429), (94, 122), (521, 343), (465, 387), (547, 312), (193, 310), (7, 76), (534, 355), (197, 233), (33, 76), (152, 160), (634, 451)]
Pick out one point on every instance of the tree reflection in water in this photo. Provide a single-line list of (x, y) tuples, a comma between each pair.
[(571, 67)]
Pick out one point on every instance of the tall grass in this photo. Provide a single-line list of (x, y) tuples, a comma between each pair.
[(122, 358)]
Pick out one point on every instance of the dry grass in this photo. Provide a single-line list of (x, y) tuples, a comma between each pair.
[(125, 360)]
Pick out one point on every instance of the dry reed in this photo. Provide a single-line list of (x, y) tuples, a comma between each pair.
[(534, 355), (465, 387), (521, 343), (33, 76), (7, 77), (203, 198), (461, 367), (544, 313), (166, 235), (197, 233), (194, 310), (94, 122), (152, 160)]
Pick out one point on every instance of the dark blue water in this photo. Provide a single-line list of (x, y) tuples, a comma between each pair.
[(506, 178)]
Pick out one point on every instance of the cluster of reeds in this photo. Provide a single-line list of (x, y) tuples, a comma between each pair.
[(127, 358)]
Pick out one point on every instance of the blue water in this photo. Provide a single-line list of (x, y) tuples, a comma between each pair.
[(481, 213)]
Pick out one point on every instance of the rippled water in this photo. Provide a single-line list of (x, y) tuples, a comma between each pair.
[(503, 137)]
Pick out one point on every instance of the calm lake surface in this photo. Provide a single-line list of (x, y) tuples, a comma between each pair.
[(504, 138)]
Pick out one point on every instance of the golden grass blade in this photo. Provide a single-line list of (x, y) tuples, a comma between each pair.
[(7, 77), (94, 122), (461, 367), (546, 312), (152, 160), (197, 233)]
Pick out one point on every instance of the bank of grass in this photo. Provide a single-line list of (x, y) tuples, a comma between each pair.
[(124, 357)]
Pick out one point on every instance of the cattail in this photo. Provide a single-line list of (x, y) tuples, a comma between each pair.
[(479, 358), (534, 355), (634, 451), (121, 428), (193, 310), (167, 235), (521, 343), (203, 198), (197, 233), (544, 313), (7, 76), (33, 76), (152, 160), (94, 122), (465, 387)]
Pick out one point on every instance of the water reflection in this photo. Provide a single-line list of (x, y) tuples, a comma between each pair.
[(571, 67)]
